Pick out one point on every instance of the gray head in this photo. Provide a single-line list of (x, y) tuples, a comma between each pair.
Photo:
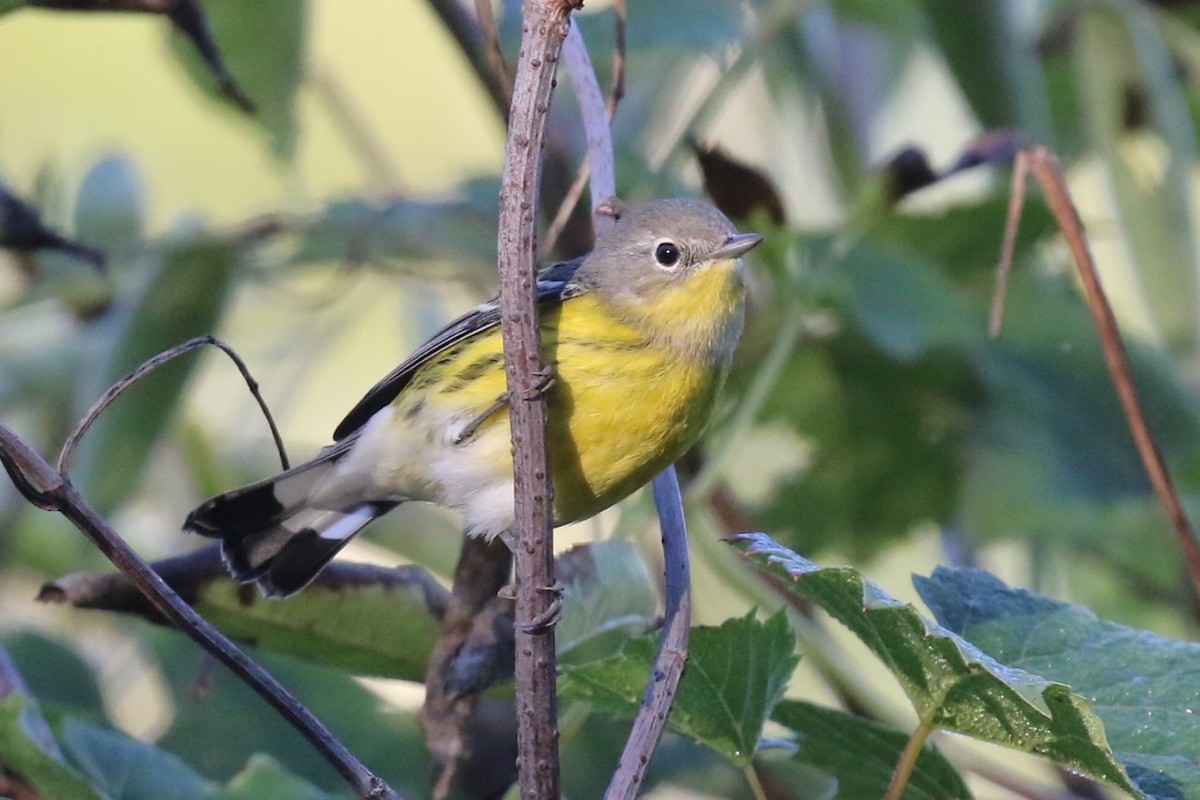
[(658, 245)]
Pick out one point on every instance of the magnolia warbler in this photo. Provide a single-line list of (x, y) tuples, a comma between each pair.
[(639, 334)]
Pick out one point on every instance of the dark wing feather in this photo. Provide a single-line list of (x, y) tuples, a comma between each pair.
[(554, 285)]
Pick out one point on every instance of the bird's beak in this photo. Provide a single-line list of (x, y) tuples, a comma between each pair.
[(736, 246)]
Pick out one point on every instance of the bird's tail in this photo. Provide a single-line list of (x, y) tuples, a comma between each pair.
[(271, 536)]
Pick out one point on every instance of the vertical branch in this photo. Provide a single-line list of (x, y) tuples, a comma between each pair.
[(677, 618), (545, 24)]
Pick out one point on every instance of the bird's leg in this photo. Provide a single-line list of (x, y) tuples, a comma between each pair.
[(469, 430), (548, 618), (545, 376)]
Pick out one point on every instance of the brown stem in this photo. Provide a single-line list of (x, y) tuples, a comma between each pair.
[(1045, 168), (908, 759), (467, 657), (545, 24), (1016, 203)]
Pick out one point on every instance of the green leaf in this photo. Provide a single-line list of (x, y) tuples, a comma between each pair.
[(180, 299), (963, 242), (364, 619), (10, 5), (126, 769), (1145, 688), (55, 673), (949, 681), (264, 45), (862, 755), (231, 720), (987, 51), (384, 626), (736, 674), (903, 305), (609, 598), (886, 442), (21, 754), (265, 779)]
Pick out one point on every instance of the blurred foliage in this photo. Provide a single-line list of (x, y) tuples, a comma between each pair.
[(867, 408)]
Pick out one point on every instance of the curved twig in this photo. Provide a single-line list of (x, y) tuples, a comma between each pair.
[(72, 443), (672, 654)]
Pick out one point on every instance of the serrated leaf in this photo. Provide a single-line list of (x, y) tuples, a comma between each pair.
[(182, 298), (1145, 688), (862, 755), (126, 769), (609, 597), (736, 674), (21, 755), (264, 778), (950, 681), (264, 46)]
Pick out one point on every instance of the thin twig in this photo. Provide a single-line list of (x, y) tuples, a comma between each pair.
[(620, 9), (1045, 168), (672, 655), (491, 45), (467, 33), (567, 207), (596, 117), (545, 24), (1016, 202), (48, 489), (908, 759), (68, 450)]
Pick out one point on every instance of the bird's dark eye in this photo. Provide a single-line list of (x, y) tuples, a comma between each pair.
[(667, 254)]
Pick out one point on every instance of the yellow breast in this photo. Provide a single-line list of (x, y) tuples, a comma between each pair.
[(631, 393)]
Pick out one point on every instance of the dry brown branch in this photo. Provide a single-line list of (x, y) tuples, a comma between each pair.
[(1044, 166), (475, 636)]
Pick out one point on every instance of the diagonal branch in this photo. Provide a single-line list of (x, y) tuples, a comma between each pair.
[(48, 489), (1044, 166)]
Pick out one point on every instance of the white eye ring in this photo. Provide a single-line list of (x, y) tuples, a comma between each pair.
[(667, 254)]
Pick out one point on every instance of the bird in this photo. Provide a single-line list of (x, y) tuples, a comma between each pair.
[(637, 337)]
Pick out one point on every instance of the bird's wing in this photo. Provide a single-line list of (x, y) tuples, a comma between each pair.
[(554, 285)]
